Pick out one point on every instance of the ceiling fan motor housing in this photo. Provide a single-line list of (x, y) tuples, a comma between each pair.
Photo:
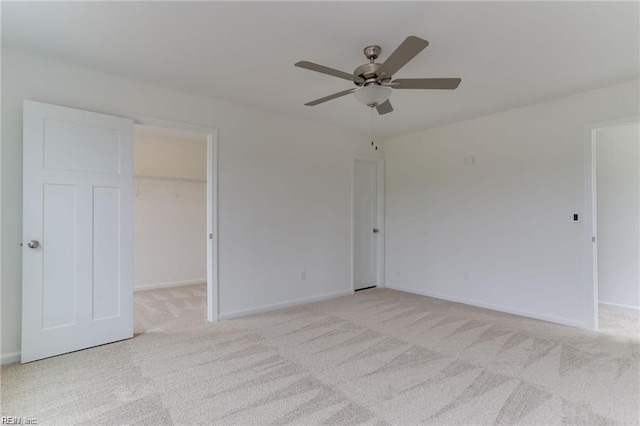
[(368, 73)]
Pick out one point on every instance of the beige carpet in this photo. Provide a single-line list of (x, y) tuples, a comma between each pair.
[(377, 357), (620, 322)]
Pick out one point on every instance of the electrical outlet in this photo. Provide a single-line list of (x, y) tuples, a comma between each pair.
[(303, 275)]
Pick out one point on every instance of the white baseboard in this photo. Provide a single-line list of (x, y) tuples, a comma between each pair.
[(543, 317), (261, 309), (171, 284), (620, 305), (10, 358)]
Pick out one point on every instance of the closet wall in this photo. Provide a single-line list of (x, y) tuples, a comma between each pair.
[(169, 208)]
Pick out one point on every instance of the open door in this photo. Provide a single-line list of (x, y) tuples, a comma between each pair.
[(77, 230), (366, 228)]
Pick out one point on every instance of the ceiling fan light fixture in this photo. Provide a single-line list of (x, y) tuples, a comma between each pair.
[(372, 95)]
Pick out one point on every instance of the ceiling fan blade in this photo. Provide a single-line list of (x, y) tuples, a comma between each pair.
[(407, 50), (384, 107), (326, 70), (425, 83), (328, 98)]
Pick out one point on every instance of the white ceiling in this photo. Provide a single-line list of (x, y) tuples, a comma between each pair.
[(508, 54)]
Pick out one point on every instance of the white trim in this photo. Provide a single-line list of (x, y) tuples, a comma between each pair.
[(212, 201), (591, 228), (543, 317), (10, 358), (381, 224), (169, 284), (213, 300), (170, 124), (620, 305), (381, 220), (273, 307), (590, 231)]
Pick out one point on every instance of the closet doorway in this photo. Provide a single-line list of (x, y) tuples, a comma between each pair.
[(616, 226), (173, 222)]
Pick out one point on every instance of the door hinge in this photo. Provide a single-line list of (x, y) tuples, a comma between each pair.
[(211, 236), (593, 239)]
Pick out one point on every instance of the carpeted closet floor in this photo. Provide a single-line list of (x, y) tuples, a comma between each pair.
[(377, 357)]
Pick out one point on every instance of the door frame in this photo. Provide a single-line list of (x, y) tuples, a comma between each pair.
[(591, 228), (212, 200), (381, 221)]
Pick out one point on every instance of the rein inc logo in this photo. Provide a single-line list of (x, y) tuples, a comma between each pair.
[(14, 420)]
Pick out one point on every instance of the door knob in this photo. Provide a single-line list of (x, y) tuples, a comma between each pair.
[(376, 230), (33, 244)]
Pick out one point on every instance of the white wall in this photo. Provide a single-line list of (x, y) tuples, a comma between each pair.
[(506, 221), (284, 184), (618, 214), (169, 215)]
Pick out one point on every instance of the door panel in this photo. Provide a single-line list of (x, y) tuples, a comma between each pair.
[(365, 204), (77, 203), (59, 279), (74, 146), (106, 243)]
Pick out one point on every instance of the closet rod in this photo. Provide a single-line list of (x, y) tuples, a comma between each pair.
[(177, 179)]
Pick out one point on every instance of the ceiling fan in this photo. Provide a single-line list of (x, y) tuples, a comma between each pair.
[(374, 81)]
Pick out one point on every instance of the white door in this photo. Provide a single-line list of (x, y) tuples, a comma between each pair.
[(366, 230), (77, 230)]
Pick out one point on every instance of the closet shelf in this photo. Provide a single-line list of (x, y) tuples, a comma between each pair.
[(147, 186)]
